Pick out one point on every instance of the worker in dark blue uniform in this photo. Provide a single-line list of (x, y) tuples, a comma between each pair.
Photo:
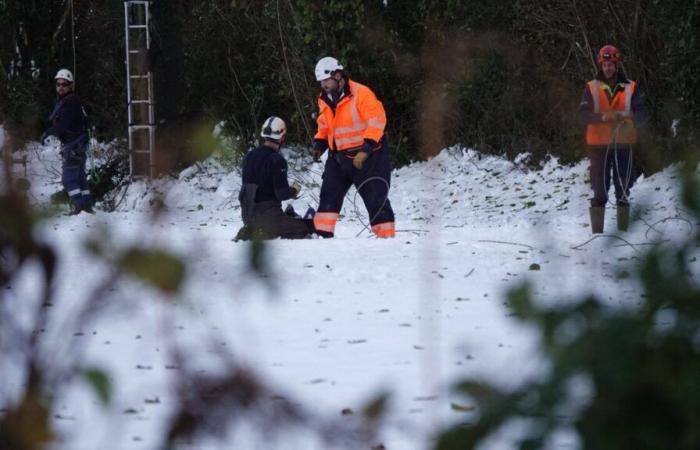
[(70, 127), (265, 187)]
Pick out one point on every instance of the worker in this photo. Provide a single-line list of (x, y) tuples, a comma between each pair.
[(69, 125), (351, 123), (612, 108), (264, 188)]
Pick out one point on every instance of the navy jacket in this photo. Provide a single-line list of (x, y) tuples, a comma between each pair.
[(68, 120), (265, 167)]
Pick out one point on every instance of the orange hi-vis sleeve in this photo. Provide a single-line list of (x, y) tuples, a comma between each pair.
[(358, 116), (603, 133)]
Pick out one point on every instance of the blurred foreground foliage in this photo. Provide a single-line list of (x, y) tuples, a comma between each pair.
[(617, 376), (45, 358)]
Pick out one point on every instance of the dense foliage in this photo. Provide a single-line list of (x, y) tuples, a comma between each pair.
[(505, 77)]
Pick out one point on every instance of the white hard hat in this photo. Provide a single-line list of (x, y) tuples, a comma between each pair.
[(274, 128), (325, 68), (64, 74)]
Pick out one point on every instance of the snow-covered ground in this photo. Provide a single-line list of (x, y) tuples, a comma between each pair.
[(339, 320)]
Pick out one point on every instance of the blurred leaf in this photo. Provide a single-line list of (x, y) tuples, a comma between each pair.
[(26, 426), (156, 267), (376, 408), (99, 381), (258, 256), (203, 141)]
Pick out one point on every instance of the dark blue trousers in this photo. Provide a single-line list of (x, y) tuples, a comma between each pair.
[(372, 182), (75, 183), (619, 166)]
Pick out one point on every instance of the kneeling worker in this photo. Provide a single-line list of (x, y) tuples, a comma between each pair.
[(265, 187)]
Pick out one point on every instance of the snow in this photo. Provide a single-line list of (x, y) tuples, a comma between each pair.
[(337, 321)]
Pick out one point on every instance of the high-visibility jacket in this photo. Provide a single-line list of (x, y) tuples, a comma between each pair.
[(603, 133), (358, 116)]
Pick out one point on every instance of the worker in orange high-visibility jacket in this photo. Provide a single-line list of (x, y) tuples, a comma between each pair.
[(612, 108), (351, 123)]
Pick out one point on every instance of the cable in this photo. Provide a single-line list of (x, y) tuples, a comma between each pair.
[(365, 226), (628, 175), (72, 27)]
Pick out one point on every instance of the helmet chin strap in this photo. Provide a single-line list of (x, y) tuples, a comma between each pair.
[(276, 143)]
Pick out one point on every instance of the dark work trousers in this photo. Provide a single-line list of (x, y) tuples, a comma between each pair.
[(75, 182), (372, 181), (269, 222), (619, 164)]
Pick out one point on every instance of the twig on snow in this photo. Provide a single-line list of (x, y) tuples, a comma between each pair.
[(508, 243)]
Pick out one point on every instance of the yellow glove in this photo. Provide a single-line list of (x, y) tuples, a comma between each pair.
[(360, 159)]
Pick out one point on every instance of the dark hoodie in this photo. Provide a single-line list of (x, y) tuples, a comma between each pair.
[(68, 120)]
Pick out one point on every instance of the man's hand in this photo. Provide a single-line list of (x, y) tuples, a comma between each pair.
[(360, 159), (319, 146), (296, 188), (626, 122), (611, 116)]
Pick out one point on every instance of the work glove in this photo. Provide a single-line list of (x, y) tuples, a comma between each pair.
[(611, 116), (626, 122), (319, 146), (43, 138), (367, 148), (296, 189), (360, 159)]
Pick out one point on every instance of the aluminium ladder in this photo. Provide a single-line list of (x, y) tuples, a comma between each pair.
[(139, 89)]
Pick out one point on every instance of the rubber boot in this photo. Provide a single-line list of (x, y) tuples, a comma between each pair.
[(597, 218), (623, 217)]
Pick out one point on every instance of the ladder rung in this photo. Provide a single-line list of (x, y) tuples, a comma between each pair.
[(140, 76), (140, 101), (135, 51), (137, 127), (140, 151), (138, 26)]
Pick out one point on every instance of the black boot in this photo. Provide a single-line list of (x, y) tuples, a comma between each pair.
[(623, 217), (597, 218)]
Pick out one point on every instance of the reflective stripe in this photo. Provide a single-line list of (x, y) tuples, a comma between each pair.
[(350, 141), (384, 230), (74, 192), (353, 109), (377, 123), (628, 98), (325, 221), (354, 128), (85, 192), (595, 86)]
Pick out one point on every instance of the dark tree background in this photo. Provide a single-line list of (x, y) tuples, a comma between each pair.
[(504, 77)]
